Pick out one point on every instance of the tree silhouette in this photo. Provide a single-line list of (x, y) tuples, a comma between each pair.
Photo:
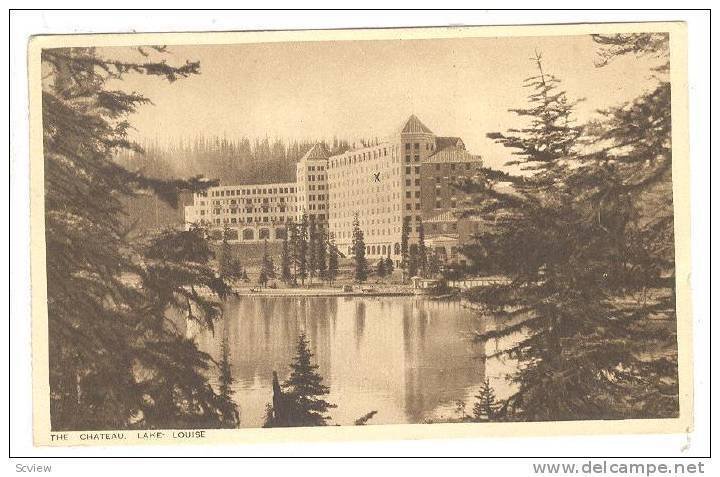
[(358, 248), (115, 361), (486, 407), (299, 403)]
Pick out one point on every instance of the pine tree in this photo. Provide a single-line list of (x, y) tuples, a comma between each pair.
[(332, 259), (358, 247), (434, 264), (230, 267), (486, 408), (312, 247), (422, 257), (404, 242), (322, 254), (413, 262), (285, 262), (302, 249), (304, 389), (262, 277), (294, 249), (230, 411), (267, 266), (380, 268), (389, 265), (114, 363), (564, 240)]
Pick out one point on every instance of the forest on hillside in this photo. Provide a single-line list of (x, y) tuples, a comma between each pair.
[(232, 161)]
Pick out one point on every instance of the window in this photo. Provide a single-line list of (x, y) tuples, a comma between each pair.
[(407, 158), (408, 170), (417, 169), (407, 146), (417, 145)]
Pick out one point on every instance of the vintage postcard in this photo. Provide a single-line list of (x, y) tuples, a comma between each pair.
[(360, 234)]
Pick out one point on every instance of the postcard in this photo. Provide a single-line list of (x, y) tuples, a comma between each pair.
[(360, 234)]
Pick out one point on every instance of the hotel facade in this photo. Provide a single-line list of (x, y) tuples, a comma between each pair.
[(407, 177)]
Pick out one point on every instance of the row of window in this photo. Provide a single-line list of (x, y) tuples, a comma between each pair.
[(428, 146), (361, 157), (455, 165), (234, 192), (251, 200)]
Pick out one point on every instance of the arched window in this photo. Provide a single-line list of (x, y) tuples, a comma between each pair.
[(397, 248), (384, 249), (280, 234), (264, 234), (372, 250), (248, 234), (232, 234)]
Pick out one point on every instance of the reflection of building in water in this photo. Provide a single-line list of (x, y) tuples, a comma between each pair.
[(402, 357), (440, 359)]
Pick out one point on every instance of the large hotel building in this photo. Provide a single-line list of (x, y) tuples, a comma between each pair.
[(407, 176)]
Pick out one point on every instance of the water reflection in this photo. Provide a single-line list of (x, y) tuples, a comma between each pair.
[(407, 358)]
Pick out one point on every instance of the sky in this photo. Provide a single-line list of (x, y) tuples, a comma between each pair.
[(365, 89)]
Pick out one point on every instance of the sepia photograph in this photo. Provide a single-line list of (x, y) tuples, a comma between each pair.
[(438, 228)]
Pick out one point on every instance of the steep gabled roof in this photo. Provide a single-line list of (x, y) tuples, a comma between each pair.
[(414, 126), (453, 154), (443, 142), (318, 151)]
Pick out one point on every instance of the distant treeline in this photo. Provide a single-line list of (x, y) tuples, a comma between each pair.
[(232, 161)]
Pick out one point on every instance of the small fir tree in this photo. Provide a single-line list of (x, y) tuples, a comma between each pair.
[(389, 265), (302, 249), (321, 254), (413, 262), (486, 407), (304, 388), (358, 247), (229, 409), (285, 262), (422, 253), (404, 242), (312, 247), (332, 259), (380, 268)]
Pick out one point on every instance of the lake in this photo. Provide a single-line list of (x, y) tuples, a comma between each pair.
[(408, 358)]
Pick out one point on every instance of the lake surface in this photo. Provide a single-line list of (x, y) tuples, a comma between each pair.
[(409, 358)]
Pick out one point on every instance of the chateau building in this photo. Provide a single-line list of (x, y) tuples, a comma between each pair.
[(406, 177)]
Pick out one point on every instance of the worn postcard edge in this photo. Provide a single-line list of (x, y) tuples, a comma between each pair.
[(681, 199)]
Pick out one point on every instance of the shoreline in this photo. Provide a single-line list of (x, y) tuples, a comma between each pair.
[(321, 292)]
